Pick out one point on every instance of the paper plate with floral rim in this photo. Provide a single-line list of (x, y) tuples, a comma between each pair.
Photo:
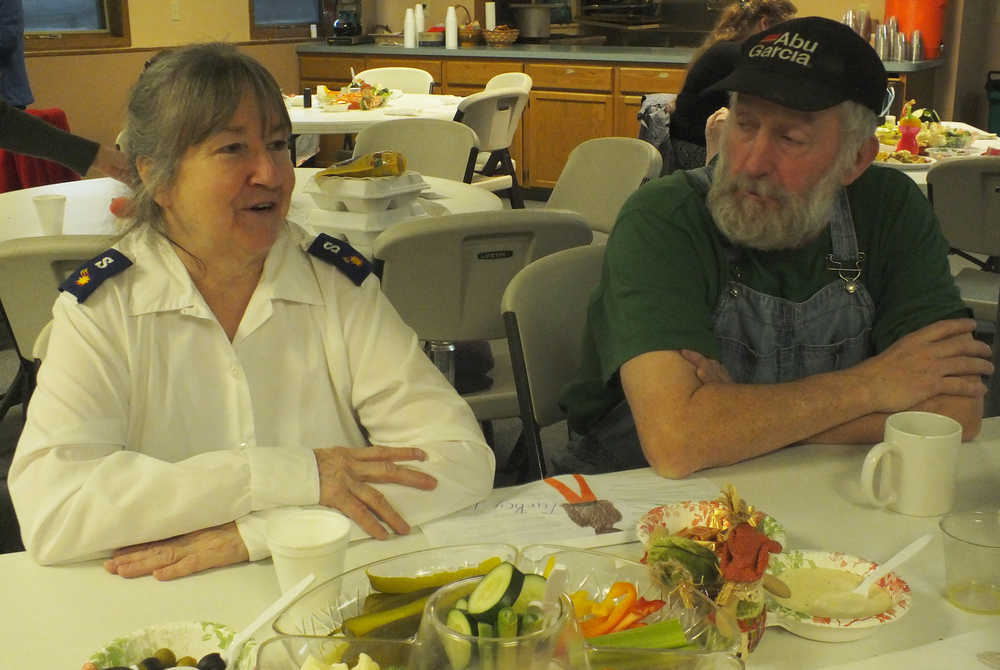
[(677, 516), (829, 629)]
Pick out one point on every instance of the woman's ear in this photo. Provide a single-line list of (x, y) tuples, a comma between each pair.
[(866, 154), (143, 165)]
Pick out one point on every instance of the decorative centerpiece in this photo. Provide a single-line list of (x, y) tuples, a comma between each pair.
[(723, 552)]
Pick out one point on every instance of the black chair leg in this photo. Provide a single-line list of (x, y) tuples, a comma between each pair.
[(516, 199), (20, 389)]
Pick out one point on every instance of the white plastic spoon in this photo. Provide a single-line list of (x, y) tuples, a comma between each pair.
[(903, 555), (232, 652)]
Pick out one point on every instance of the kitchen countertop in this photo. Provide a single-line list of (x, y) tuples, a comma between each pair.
[(559, 52)]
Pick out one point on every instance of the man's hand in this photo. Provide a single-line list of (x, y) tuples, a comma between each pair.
[(713, 132), (110, 162), (940, 359), (709, 370), (182, 555), (343, 483)]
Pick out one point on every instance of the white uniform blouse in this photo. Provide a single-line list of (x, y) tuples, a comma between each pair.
[(148, 422)]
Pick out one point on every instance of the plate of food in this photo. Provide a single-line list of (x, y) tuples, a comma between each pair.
[(179, 644), (814, 610), (698, 513), (903, 160)]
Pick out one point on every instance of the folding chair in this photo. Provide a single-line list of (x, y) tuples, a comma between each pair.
[(405, 79), (599, 176), (544, 311)]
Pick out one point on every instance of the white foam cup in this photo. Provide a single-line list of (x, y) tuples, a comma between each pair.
[(304, 541), (50, 209)]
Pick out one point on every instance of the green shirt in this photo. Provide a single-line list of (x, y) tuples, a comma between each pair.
[(665, 267)]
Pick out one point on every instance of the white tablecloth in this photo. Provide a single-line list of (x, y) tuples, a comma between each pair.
[(55, 617), (315, 120)]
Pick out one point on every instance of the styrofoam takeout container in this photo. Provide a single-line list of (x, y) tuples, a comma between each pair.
[(366, 194)]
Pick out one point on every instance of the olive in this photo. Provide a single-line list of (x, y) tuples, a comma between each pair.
[(212, 661), (187, 662), (166, 657), (118, 667), (151, 663)]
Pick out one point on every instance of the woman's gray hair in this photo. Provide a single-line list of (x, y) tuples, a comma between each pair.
[(183, 97)]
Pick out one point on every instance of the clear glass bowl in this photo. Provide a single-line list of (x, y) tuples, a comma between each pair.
[(326, 608)]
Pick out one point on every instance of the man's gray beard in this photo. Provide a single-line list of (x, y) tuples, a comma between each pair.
[(793, 221)]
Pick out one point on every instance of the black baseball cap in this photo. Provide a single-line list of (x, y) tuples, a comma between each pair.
[(810, 63)]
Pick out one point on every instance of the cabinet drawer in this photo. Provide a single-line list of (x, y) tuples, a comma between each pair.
[(334, 68), (570, 76), (650, 80), (477, 73), (432, 66)]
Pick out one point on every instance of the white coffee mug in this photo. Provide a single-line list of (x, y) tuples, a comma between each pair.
[(919, 458)]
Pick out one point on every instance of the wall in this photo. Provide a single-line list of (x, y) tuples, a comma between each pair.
[(92, 88)]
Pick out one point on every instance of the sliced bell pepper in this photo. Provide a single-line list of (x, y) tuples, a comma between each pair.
[(621, 596)]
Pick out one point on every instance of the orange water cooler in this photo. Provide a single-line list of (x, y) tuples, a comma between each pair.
[(927, 16)]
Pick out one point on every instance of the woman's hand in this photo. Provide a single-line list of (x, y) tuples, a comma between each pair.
[(182, 555), (344, 476), (713, 132)]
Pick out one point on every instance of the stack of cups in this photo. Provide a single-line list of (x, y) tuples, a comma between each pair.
[(410, 29)]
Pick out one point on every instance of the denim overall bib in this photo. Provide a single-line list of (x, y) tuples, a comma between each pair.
[(762, 338)]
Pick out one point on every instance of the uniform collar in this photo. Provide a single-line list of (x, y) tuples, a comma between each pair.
[(162, 283)]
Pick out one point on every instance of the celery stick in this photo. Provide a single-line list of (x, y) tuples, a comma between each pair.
[(486, 655), (668, 634), (506, 628)]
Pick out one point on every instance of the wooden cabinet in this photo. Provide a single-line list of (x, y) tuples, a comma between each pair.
[(556, 122), (633, 83), (465, 74), (328, 70)]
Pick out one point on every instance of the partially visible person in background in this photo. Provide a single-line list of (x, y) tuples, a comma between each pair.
[(14, 86), (23, 133), (714, 60)]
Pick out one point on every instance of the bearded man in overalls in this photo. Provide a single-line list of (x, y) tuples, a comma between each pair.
[(785, 293)]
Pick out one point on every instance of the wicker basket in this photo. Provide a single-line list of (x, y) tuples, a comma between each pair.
[(501, 37), (470, 36)]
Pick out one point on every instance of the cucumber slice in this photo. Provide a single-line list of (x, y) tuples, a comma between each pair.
[(499, 588), (459, 651), (533, 589), (462, 604)]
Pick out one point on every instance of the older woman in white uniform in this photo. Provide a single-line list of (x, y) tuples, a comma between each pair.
[(219, 363)]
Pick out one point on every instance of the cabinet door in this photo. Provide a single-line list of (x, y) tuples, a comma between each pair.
[(642, 80), (557, 121), (328, 69), (570, 76), (432, 66), (516, 152), (475, 73), (626, 115)]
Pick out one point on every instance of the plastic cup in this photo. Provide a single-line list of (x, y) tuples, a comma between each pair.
[(50, 209), (307, 541), (972, 559)]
